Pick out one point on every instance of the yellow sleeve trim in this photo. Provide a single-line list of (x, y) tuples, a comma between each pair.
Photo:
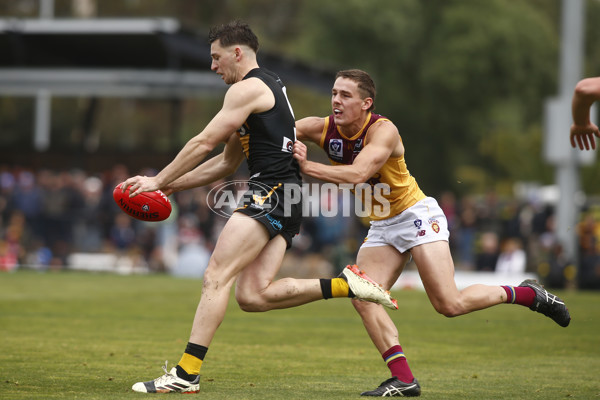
[(325, 127)]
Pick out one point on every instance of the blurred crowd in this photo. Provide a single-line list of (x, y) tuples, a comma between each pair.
[(60, 219)]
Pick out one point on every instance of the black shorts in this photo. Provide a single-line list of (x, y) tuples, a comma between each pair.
[(277, 207)]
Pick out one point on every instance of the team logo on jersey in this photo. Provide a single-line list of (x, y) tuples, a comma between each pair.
[(358, 145), (336, 148), (435, 225), (288, 145)]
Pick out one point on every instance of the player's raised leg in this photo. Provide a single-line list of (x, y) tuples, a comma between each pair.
[(436, 269), (257, 290)]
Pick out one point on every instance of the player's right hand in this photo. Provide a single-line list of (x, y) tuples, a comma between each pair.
[(300, 151), (583, 136)]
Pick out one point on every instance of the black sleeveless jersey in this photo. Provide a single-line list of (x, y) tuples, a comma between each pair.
[(268, 137)]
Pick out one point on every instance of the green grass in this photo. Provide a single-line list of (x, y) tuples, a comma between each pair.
[(91, 336)]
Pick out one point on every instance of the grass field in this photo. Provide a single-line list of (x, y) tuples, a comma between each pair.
[(91, 336)]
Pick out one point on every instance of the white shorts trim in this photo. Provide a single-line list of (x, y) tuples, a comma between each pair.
[(424, 222)]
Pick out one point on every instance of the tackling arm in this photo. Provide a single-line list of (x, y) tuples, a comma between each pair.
[(384, 139), (310, 128)]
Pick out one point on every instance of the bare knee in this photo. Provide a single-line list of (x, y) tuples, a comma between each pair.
[(251, 302), (247, 304), (449, 308)]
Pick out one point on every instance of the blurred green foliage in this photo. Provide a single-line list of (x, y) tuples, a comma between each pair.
[(457, 77)]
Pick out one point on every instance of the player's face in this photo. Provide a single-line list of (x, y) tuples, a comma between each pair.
[(346, 102), (223, 61)]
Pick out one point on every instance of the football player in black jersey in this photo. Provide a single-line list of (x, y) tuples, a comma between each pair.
[(255, 121)]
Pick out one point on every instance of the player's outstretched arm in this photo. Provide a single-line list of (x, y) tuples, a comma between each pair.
[(587, 91), (242, 99), (218, 167)]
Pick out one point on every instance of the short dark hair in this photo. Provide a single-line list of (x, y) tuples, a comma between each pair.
[(234, 32), (363, 80)]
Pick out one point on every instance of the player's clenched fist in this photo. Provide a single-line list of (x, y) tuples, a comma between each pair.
[(300, 151)]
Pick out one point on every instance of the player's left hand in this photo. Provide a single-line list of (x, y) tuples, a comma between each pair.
[(139, 184), (583, 136)]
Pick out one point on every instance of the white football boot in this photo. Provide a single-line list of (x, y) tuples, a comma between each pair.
[(366, 289), (168, 383)]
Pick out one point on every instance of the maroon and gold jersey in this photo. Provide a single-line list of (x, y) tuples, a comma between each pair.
[(342, 150)]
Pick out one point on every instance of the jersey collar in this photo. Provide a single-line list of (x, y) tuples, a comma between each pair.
[(359, 133)]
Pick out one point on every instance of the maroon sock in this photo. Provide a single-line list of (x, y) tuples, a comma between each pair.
[(396, 362), (519, 295)]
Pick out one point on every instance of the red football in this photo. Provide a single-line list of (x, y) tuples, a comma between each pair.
[(146, 206)]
